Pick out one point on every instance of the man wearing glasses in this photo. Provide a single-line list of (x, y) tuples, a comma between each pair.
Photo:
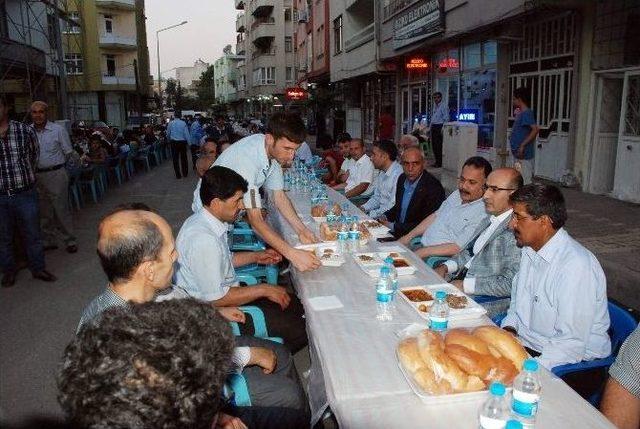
[(489, 261), (445, 232)]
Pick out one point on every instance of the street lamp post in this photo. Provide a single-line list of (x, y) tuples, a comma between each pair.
[(158, 58)]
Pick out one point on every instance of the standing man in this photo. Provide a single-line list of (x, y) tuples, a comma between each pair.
[(386, 124), (178, 135), (523, 135), (19, 153), (259, 158), (53, 181), (360, 173), (196, 135), (439, 117), (384, 186)]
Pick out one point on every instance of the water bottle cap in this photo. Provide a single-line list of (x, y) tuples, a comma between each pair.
[(497, 389), (513, 424), (441, 294), (384, 270), (388, 260), (530, 365)]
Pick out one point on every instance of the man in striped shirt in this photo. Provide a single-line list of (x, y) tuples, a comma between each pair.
[(19, 152)]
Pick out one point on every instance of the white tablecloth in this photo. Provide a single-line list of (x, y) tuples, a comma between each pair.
[(353, 365)]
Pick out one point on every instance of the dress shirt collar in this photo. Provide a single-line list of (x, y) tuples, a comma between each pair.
[(409, 184), (501, 217), (217, 226), (47, 127), (551, 247), (392, 167), (361, 160)]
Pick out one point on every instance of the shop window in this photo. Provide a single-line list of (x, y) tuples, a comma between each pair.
[(489, 52), (477, 103), (472, 56)]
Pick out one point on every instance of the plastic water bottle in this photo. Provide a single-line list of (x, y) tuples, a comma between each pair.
[(495, 412), (513, 424), (439, 313), (384, 294), (343, 236), (393, 276), (354, 236), (526, 393)]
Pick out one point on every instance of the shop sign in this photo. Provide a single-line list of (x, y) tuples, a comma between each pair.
[(420, 22), (449, 63), (417, 63), (295, 94)]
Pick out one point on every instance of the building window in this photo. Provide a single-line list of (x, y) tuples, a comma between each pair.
[(289, 74), (264, 76), (73, 64), (111, 65), (337, 35), (287, 14), (71, 26), (288, 44), (108, 24), (320, 42), (489, 52), (472, 56)]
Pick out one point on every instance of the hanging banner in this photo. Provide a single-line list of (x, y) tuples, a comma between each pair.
[(422, 21)]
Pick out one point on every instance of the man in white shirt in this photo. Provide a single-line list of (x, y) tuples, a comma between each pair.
[(206, 265), (344, 141), (259, 158), (489, 261), (559, 297), (360, 173), (53, 180), (439, 117), (445, 232), (383, 156)]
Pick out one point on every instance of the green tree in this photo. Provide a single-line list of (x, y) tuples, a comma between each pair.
[(170, 89), (206, 88)]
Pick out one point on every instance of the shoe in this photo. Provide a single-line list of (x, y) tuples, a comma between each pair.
[(45, 276), (50, 247), (9, 279), (72, 248)]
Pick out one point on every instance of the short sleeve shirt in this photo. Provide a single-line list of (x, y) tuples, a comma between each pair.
[(361, 172), (455, 222), (626, 368), (205, 269), (520, 130), (248, 157)]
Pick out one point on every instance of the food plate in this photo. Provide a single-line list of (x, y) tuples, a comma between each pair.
[(376, 228), (454, 297), (370, 263), (326, 252)]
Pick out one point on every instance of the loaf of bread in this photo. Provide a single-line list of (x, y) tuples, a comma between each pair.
[(471, 362), (409, 355), (464, 338), (327, 233), (504, 342), (318, 211), (431, 347)]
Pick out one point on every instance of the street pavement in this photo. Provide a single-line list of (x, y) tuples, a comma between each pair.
[(38, 319)]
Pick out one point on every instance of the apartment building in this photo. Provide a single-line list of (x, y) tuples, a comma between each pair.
[(107, 60), (225, 72), (265, 37), (189, 77)]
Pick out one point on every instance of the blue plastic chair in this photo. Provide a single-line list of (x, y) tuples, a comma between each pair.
[(74, 188), (89, 179), (113, 166), (244, 239), (143, 156)]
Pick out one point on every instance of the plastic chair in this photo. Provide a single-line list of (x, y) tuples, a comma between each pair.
[(113, 166), (259, 322), (74, 188), (244, 239), (88, 179), (432, 261), (143, 156)]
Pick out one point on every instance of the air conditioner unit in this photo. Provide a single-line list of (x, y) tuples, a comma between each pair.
[(302, 16)]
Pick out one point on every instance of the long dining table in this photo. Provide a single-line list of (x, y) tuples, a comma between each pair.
[(354, 370)]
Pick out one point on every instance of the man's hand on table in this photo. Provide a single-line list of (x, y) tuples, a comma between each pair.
[(268, 257), (458, 284), (406, 240), (441, 270), (232, 314), (225, 421), (264, 358), (277, 294), (307, 237), (303, 260)]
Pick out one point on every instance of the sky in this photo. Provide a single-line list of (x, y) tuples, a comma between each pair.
[(211, 25)]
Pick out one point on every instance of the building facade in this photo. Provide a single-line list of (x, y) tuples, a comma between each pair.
[(225, 72), (107, 60), (189, 77), (265, 38)]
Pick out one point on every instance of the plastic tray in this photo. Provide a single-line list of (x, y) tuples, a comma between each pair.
[(471, 311), (372, 268)]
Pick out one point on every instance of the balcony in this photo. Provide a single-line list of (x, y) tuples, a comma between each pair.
[(262, 8), (118, 80), (240, 48), (263, 34), (240, 21), (240, 4), (360, 38), (113, 41), (117, 4)]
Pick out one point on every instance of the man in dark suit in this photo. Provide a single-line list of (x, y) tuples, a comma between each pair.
[(418, 194)]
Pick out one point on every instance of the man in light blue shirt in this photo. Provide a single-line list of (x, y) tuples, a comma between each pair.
[(445, 231), (178, 136), (383, 156), (559, 296), (195, 136), (304, 153), (258, 158)]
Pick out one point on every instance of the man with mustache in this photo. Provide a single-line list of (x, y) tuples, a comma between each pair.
[(445, 232)]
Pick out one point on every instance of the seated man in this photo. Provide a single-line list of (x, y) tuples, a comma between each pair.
[(384, 186), (445, 232), (360, 173), (206, 267), (406, 141), (344, 142), (559, 295), (621, 399), (164, 365), (489, 261), (208, 155), (137, 252), (418, 194)]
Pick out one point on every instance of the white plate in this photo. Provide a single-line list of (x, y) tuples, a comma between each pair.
[(471, 311), (402, 271)]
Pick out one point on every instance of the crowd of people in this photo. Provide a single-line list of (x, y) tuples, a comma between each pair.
[(155, 347)]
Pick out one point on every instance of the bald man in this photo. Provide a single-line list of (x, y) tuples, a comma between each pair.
[(488, 262), (53, 181), (418, 194), (137, 252)]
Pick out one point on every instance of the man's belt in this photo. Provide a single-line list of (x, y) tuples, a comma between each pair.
[(12, 192), (54, 168)]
